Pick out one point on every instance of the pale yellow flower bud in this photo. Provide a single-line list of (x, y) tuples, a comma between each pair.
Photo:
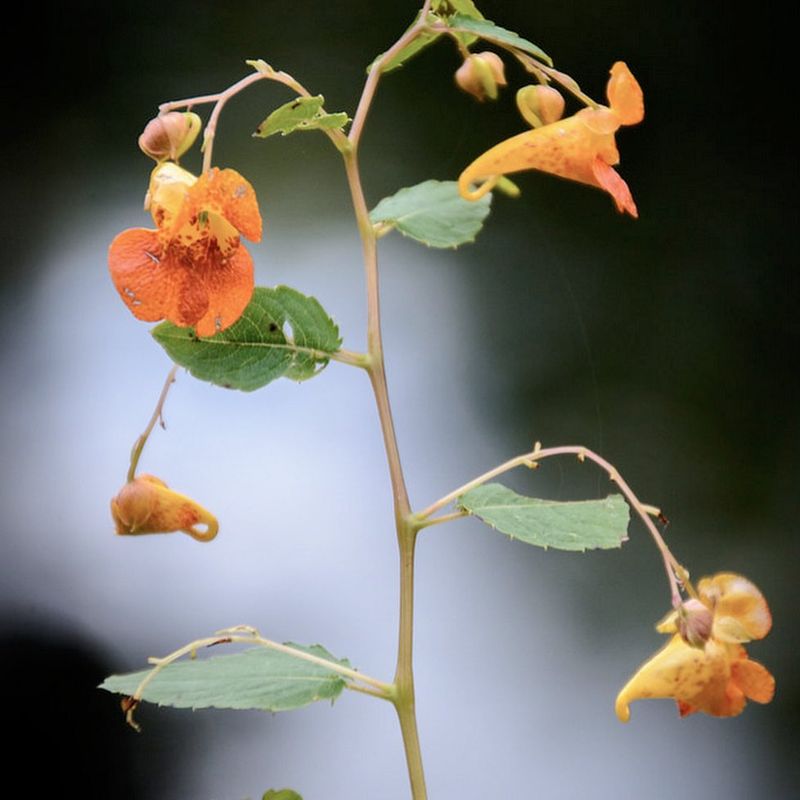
[(540, 105), (481, 74)]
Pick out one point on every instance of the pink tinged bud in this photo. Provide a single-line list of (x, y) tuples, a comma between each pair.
[(147, 505), (694, 622), (168, 136), (481, 74), (540, 105)]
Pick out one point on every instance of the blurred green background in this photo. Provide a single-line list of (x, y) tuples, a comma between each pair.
[(668, 344)]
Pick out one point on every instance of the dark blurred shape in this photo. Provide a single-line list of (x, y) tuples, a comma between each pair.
[(64, 732)]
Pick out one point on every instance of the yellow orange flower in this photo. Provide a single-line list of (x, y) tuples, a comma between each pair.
[(147, 505), (192, 269), (714, 676), (580, 148)]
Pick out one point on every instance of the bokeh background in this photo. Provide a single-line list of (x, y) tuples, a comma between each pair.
[(667, 344)]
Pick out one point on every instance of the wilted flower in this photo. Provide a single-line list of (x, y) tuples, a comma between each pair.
[(711, 671), (147, 505)]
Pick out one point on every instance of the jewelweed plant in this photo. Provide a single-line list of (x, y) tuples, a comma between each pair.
[(193, 272)]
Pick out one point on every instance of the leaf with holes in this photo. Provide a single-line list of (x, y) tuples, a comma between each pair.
[(486, 29), (434, 213), (300, 114), (465, 7), (578, 526), (281, 334), (258, 678)]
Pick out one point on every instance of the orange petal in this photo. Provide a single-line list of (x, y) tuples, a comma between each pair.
[(146, 505), (684, 709), (231, 196), (740, 610), (599, 120), (566, 148), (139, 270), (625, 95), (608, 178), (753, 679), (719, 696), (227, 286)]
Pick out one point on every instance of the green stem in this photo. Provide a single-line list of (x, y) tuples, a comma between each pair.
[(406, 526), (404, 701), (219, 100), (406, 532), (138, 446), (672, 566)]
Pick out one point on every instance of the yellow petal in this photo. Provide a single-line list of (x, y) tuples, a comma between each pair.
[(740, 611), (678, 671), (169, 186), (669, 624)]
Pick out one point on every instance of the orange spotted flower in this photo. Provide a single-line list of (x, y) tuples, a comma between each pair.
[(704, 666), (581, 147), (147, 505), (192, 269)]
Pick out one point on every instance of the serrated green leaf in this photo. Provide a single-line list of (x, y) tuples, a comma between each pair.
[(281, 794), (300, 114), (580, 525), (486, 29), (434, 213), (258, 348), (258, 678)]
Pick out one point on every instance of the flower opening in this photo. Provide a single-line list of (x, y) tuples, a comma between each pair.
[(192, 269)]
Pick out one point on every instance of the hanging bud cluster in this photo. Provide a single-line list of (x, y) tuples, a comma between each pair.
[(168, 136), (481, 74), (147, 505), (540, 105)]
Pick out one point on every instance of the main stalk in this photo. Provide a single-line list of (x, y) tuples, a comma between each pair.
[(404, 701)]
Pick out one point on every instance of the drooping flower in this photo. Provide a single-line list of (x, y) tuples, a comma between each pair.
[(581, 147), (192, 269), (147, 505), (713, 675)]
